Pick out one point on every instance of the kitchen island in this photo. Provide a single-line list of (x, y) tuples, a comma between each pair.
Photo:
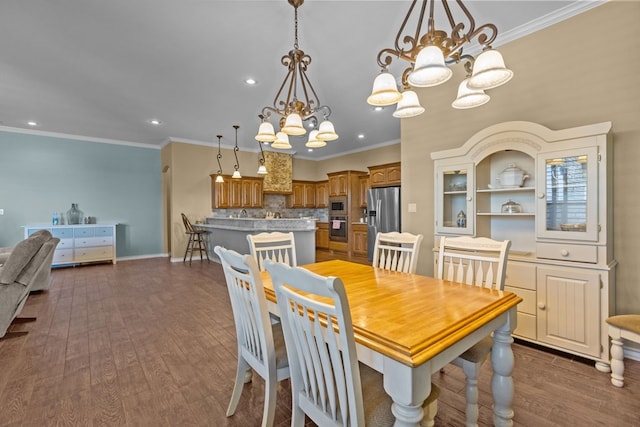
[(232, 234)]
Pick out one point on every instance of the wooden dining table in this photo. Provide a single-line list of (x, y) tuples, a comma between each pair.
[(409, 326)]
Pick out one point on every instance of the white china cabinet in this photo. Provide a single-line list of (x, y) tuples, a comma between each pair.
[(550, 193)]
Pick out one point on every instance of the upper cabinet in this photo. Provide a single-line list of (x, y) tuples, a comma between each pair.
[(236, 193), (387, 175), (322, 194), (303, 196), (362, 193), (338, 184)]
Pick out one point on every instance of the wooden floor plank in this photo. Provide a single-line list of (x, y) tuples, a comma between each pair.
[(152, 343)]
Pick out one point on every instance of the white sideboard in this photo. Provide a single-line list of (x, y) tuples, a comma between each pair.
[(561, 260), (81, 243)]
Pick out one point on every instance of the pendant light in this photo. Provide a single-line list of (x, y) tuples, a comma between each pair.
[(282, 141), (262, 169), (236, 172), (219, 178)]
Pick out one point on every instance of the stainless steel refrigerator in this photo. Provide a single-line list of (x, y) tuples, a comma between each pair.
[(383, 206)]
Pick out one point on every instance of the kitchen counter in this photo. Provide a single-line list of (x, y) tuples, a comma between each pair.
[(232, 234)]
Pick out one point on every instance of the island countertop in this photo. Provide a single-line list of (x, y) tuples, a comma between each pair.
[(261, 224), (231, 233)]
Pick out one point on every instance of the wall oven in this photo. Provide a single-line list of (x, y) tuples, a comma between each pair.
[(338, 228)]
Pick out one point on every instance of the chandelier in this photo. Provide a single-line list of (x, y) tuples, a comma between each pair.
[(430, 56), (296, 101)]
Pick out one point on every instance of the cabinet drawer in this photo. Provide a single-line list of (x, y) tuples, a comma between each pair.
[(94, 241), (83, 232), (62, 256), (528, 304), (565, 252), (93, 254), (103, 231), (65, 244), (521, 275), (62, 233), (30, 231), (526, 326)]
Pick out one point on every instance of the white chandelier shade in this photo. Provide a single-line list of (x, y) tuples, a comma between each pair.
[(385, 91), (430, 69), (282, 141), (314, 141), (326, 131), (469, 98), (489, 71), (293, 125), (266, 132), (262, 170), (408, 106)]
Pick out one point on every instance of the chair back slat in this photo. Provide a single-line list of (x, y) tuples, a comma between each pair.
[(478, 261), (316, 321), (276, 246), (397, 251)]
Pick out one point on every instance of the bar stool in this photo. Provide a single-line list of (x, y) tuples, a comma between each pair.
[(196, 241), (625, 326)]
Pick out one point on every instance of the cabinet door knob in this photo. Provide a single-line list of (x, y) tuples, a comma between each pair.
[(540, 195), (541, 306), (564, 252)]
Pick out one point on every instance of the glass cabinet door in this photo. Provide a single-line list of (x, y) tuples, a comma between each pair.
[(567, 196), (454, 191)]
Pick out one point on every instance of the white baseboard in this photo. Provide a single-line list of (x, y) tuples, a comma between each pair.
[(632, 353), (131, 258)]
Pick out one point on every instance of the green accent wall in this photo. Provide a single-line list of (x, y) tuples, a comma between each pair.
[(112, 182)]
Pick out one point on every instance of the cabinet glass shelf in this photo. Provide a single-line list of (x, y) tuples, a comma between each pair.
[(505, 190), (505, 214)]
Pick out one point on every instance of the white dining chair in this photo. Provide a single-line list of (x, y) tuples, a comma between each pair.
[(397, 251), (476, 261), (260, 343), (276, 246), (327, 381)]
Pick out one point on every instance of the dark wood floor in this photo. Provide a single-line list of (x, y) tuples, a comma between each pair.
[(152, 343)]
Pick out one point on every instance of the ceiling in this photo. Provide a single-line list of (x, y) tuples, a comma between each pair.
[(103, 69)]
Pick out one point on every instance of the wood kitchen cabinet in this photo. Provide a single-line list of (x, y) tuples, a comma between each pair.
[(359, 239), (561, 259), (322, 235), (338, 184), (236, 193), (303, 195), (363, 182), (387, 175), (322, 194)]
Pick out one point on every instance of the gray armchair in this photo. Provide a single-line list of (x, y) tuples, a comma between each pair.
[(28, 264)]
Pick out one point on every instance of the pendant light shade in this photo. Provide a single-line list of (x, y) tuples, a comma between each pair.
[(326, 131), (469, 98), (313, 141), (219, 178), (262, 170), (282, 141), (266, 132), (430, 69), (489, 71), (293, 125), (236, 174), (385, 91), (408, 106)]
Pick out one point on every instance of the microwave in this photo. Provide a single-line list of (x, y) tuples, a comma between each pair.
[(338, 206)]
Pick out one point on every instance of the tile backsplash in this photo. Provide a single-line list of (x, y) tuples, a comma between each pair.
[(274, 203)]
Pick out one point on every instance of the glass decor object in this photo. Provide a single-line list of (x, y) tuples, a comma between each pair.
[(74, 215)]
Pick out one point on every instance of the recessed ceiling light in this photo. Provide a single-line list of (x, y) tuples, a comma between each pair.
[(32, 123), (154, 122), (361, 136), (378, 108), (309, 149), (250, 81)]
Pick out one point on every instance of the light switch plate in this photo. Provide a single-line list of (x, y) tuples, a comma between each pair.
[(412, 207)]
